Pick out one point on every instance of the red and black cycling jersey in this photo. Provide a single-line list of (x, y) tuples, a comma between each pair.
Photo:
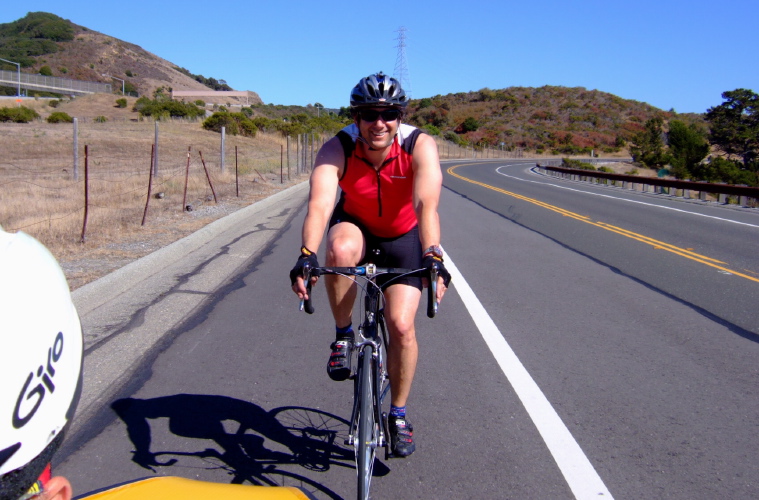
[(381, 199)]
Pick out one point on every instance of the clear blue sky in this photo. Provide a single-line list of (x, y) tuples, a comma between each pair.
[(669, 53)]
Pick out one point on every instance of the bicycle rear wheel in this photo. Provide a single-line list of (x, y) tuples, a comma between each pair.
[(367, 425)]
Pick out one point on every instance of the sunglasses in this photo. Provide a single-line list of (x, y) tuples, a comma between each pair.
[(371, 115)]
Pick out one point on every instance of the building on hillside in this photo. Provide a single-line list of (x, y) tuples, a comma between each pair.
[(245, 97)]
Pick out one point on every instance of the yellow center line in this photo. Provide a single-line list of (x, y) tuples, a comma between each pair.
[(659, 245)]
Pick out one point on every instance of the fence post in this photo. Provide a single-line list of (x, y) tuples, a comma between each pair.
[(288, 157), (150, 183), (154, 160), (208, 176), (86, 194), (76, 149), (186, 180), (237, 181), (223, 137)]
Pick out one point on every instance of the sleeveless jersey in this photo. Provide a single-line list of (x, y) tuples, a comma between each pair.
[(382, 199)]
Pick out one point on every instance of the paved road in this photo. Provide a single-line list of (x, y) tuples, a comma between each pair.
[(552, 371)]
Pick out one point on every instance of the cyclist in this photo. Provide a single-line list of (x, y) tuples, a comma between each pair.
[(40, 367), (390, 178)]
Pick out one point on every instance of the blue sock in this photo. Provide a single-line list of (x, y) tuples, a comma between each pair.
[(398, 411), (345, 332)]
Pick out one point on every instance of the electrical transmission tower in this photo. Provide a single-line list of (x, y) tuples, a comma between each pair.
[(401, 68)]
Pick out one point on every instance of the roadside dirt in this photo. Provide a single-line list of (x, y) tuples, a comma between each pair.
[(91, 262)]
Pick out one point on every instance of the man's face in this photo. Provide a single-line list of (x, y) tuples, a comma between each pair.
[(378, 126)]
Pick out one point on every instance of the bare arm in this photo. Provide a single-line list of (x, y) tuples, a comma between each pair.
[(321, 199), (428, 182)]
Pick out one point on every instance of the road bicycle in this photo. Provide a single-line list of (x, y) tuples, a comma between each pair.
[(368, 428)]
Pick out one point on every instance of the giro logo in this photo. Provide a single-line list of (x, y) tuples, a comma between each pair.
[(32, 395)]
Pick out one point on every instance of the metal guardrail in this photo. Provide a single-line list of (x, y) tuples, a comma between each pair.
[(52, 84), (746, 195)]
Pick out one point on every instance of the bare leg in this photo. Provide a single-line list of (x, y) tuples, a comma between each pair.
[(401, 304), (345, 247)]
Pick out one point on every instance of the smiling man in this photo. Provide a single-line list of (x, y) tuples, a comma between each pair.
[(390, 180)]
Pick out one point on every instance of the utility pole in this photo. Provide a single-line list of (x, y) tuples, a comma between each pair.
[(18, 71), (123, 83), (401, 72)]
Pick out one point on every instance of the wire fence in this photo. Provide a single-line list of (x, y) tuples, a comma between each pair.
[(62, 187), (51, 83)]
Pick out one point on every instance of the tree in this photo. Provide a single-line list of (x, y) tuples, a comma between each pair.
[(470, 125), (735, 125), (687, 147), (647, 147)]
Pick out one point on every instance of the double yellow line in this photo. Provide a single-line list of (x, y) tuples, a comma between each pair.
[(659, 245)]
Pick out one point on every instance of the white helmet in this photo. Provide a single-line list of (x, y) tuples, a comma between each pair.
[(41, 349)]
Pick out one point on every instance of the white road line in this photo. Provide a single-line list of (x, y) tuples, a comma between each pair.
[(582, 478), (498, 171)]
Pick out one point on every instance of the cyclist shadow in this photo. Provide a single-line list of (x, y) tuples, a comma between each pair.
[(312, 438)]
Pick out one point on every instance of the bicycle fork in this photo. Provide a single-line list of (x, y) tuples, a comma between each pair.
[(378, 393)]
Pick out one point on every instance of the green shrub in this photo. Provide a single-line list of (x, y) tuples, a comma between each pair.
[(576, 164), (470, 125), (101, 119), (163, 108), (431, 129), (20, 114), (200, 103), (454, 138), (141, 103), (121, 103), (606, 169), (59, 117), (46, 71), (129, 73), (53, 103), (234, 123)]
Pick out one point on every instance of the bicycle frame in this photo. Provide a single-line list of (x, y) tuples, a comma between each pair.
[(368, 424)]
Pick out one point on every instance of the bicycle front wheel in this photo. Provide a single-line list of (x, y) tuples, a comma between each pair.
[(367, 425)]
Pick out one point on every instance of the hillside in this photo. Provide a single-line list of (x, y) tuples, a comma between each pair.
[(548, 119), (72, 51)]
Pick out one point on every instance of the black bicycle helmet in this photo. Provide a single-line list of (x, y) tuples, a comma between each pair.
[(378, 90)]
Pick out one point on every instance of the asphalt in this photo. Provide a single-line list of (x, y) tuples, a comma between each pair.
[(129, 313)]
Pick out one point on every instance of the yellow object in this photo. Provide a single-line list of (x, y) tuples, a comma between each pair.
[(177, 488)]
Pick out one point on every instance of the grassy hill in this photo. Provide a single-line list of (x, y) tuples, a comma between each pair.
[(43, 42), (549, 119)]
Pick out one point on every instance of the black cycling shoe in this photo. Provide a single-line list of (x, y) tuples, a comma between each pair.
[(401, 436), (339, 366)]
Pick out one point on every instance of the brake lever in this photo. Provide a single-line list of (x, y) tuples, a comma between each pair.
[(432, 294)]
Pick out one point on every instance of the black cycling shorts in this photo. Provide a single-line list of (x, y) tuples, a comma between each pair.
[(402, 251)]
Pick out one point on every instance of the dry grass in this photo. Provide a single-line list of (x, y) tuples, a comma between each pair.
[(40, 195)]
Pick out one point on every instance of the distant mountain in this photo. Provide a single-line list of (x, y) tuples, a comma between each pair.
[(548, 119), (44, 42)]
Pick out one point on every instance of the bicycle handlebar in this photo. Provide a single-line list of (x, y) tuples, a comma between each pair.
[(370, 271)]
